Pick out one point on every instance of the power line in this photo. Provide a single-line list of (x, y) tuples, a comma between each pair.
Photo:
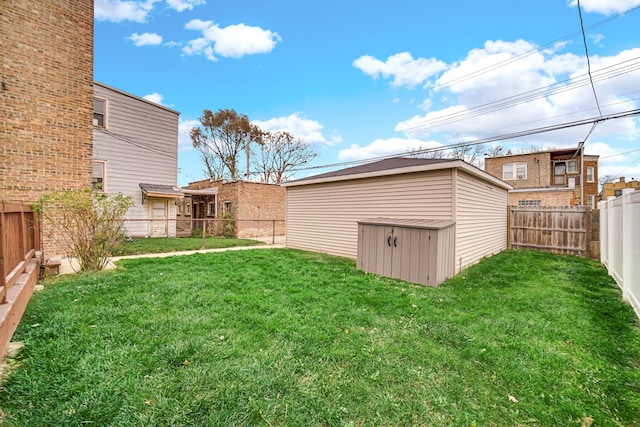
[(529, 132), (524, 54), (606, 73), (586, 51)]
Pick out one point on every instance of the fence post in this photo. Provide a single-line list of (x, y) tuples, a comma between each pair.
[(508, 227), (611, 226), (604, 233), (3, 253), (204, 234), (627, 238), (588, 238)]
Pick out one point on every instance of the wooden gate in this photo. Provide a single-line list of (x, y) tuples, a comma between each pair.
[(560, 230)]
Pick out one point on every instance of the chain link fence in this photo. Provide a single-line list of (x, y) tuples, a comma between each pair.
[(182, 227)]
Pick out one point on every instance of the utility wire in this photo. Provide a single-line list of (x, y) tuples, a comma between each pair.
[(586, 50), (529, 132), (606, 73)]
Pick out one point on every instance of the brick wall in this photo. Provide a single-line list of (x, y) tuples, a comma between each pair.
[(254, 205), (46, 93), (565, 197), (538, 169)]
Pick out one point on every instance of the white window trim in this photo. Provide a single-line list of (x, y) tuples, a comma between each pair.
[(512, 170), (591, 169)]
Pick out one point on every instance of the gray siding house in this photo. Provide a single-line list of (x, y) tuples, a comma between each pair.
[(323, 211), (135, 152)]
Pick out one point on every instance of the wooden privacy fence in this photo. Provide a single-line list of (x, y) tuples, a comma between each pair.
[(560, 230), (620, 238), (19, 265)]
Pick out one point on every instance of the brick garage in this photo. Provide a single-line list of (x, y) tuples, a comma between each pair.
[(46, 99), (254, 206)]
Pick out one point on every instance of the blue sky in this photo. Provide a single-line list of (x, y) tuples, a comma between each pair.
[(359, 80)]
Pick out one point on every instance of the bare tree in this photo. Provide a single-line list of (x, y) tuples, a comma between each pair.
[(222, 136), (606, 179), (213, 167), (421, 152), (281, 152), (496, 151), (469, 153)]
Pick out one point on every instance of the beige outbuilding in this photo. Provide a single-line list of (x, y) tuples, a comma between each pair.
[(323, 212)]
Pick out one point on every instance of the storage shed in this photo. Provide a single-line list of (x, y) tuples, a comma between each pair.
[(323, 211)]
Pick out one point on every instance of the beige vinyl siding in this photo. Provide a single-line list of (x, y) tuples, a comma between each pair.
[(323, 217), (481, 219)]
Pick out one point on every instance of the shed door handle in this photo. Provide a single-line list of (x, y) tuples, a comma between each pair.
[(395, 242), (389, 241)]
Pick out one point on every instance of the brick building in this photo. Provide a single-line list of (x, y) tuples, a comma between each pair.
[(564, 177), (46, 92), (614, 189), (254, 205)]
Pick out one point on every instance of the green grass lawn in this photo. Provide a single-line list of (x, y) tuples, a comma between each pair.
[(281, 337), (176, 244)]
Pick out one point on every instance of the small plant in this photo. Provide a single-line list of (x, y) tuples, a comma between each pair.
[(89, 225), (228, 225)]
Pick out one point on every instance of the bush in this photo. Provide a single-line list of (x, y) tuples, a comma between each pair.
[(90, 226), (228, 225)]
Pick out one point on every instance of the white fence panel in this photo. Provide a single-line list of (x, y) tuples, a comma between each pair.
[(620, 243)]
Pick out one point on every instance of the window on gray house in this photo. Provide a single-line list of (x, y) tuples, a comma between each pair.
[(99, 112), (98, 181)]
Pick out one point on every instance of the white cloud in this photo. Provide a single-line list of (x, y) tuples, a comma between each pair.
[(135, 10), (182, 5), (405, 70), (475, 97), (184, 128), (122, 10), (145, 39), (616, 162), (309, 131), (385, 147), (234, 41), (154, 97), (606, 7)]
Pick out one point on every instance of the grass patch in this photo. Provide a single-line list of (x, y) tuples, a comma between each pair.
[(176, 244), (289, 338)]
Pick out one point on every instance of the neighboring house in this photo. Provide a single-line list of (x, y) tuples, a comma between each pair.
[(614, 189), (135, 152), (257, 208), (45, 100), (323, 211), (45, 137), (564, 177)]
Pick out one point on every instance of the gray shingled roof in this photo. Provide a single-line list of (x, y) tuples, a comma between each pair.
[(392, 163), (169, 190)]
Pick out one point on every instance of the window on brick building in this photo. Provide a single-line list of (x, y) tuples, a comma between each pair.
[(512, 171), (98, 181), (529, 202), (591, 171), (591, 201), (211, 209), (228, 208), (99, 112)]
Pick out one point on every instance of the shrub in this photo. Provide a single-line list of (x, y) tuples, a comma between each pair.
[(228, 225), (90, 226)]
